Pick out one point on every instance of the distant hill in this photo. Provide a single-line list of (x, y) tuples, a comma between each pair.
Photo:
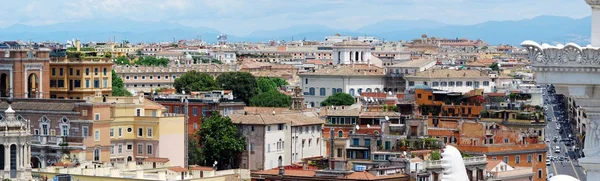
[(548, 29)]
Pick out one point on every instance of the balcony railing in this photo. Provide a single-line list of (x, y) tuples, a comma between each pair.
[(46, 140), (433, 164)]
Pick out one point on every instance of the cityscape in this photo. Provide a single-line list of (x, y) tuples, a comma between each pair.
[(437, 106)]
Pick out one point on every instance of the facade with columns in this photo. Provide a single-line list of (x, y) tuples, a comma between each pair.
[(15, 146), (352, 52), (24, 73)]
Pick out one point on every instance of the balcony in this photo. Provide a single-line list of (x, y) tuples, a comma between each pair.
[(471, 161), (57, 141)]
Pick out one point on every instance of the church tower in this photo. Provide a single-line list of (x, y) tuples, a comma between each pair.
[(15, 146)]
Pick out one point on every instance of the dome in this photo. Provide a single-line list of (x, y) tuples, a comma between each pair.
[(593, 2)]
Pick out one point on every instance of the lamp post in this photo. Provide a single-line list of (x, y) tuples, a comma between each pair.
[(185, 107)]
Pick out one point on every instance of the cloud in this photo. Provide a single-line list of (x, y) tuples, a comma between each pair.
[(244, 16)]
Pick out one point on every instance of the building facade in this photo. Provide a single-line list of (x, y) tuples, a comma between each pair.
[(77, 78), (24, 73)]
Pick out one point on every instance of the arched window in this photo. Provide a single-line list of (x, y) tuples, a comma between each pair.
[(376, 132), (311, 91), (44, 119), (369, 90), (340, 134), (443, 84), (351, 92), (306, 81), (476, 84), (97, 154), (351, 132), (129, 158), (451, 84), (435, 84), (459, 83), (469, 83), (322, 92), (486, 83), (359, 91), (333, 91), (339, 90), (377, 90)]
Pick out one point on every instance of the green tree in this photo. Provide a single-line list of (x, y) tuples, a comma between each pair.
[(220, 141), (107, 55), (436, 155), (195, 155), (279, 81), (495, 67), (117, 86), (152, 61), (272, 98), (243, 84), (195, 81), (338, 99), (265, 85), (139, 53), (122, 60)]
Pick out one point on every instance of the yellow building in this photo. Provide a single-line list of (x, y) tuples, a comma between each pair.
[(140, 129), (76, 78)]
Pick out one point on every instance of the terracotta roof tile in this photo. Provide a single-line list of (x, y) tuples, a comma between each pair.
[(491, 164), (178, 169), (356, 70), (201, 168)]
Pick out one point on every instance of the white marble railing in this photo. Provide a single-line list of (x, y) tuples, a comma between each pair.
[(468, 161), (569, 55)]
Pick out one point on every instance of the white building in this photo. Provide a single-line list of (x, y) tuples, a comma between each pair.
[(337, 38), (354, 52), (411, 66), (289, 137), (227, 56), (351, 79), (453, 80), (15, 146)]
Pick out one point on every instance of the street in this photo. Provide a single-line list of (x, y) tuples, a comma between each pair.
[(563, 162)]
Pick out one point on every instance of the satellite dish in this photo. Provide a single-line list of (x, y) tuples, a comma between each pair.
[(357, 127), (368, 126), (387, 118)]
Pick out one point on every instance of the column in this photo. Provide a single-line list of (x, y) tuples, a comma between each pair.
[(40, 85), (43, 158), (11, 82), (28, 158), (26, 80), (6, 157), (360, 56)]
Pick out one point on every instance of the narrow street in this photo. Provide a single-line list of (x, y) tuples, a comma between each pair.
[(562, 160)]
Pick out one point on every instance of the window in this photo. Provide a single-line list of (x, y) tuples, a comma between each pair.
[(435, 84), (53, 71), (486, 83), (195, 111), (311, 91), (268, 128), (518, 159), (112, 149), (340, 134), (143, 77), (411, 83), (351, 92), (528, 158), (151, 77), (105, 82), (149, 132), (469, 83), (95, 71), (112, 132), (505, 159), (539, 173), (135, 77), (97, 135), (419, 96), (97, 154), (176, 109), (120, 148), (127, 77), (104, 71), (539, 158), (280, 127), (444, 84), (77, 72), (195, 126), (120, 132), (87, 83), (476, 84), (306, 81), (138, 112), (87, 71), (252, 128), (60, 72), (97, 116), (64, 130), (129, 147), (96, 83), (459, 83), (149, 149), (140, 148), (451, 84), (425, 83), (129, 130), (322, 91), (251, 146), (140, 132), (70, 71)]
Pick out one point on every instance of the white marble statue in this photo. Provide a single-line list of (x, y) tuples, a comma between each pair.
[(453, 165), (591, 148)]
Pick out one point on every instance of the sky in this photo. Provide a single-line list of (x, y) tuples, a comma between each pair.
[(241, 17)]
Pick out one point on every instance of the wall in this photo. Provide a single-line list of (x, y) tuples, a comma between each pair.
[(103, 127), (314, 149), (171, 140), (345, 83), (463, 89), (272, 154), (256, 138)]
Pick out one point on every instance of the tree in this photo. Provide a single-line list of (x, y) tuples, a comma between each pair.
[(195, 155), (338, 99), (243, 84), (122, 60), (220, 141), (265, 85), (152, 61), (117, 86), (279, 81), (436, 155), (107, 55), (139, 53), (495, 67), (272, 98), (195, 81)]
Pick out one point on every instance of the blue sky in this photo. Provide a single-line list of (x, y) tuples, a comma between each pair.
[(241, 17)]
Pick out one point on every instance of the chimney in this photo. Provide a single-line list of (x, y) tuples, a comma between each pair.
[(78, 45)]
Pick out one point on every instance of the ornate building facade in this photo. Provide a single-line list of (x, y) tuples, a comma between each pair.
[(24, 72), (16, 146)]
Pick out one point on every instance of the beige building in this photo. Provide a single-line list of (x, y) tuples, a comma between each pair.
[(147, 78), (76, 78)]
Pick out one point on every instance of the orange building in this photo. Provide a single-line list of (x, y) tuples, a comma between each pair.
[(24, 72)]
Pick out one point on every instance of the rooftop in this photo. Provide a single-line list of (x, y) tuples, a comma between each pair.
[(413, 63), (450, 73), (266, 119), (352, 43), (348, 70)]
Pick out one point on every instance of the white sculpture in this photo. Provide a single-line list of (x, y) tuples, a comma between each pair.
[(591, 147), (453, 165)]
